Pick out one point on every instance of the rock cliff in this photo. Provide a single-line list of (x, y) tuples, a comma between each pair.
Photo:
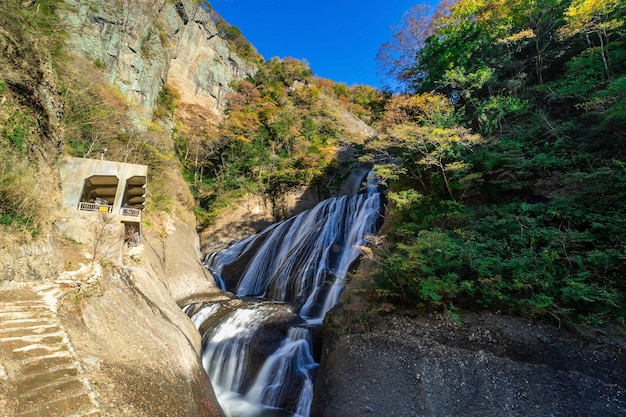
[(114, 333), (143, 45)]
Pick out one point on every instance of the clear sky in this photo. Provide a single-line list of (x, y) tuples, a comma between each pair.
[(338, 38)]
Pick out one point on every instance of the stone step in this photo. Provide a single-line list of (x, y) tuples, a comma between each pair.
[(31, 338), (16, 343), (25, 303), (16, 308), (20, 295), (47, 364), (42, 370), (61, 407), (12, 308), (47, 329), (36, 381), (30, 322), (34, 302), (66, 388), (35, 350), (17, 315)]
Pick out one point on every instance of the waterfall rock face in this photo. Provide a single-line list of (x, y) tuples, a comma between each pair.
[(298, 259), (256, 348), (141, 45), (301, 262)]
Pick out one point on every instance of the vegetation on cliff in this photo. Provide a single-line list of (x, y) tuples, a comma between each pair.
[(233, 35), (52, 105), (282, 131), (511, 133), (28, 35)]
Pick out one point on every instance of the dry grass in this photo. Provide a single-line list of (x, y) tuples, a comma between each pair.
[(29, 193), (20, 201)]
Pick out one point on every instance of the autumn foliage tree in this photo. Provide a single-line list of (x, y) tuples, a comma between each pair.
[(277, 136)]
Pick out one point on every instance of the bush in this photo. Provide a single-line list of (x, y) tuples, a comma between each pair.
[(564, 259)]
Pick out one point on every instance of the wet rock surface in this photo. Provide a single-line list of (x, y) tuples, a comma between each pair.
[(486, 365)]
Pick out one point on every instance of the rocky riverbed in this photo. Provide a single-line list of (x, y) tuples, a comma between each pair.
[(483, 365)]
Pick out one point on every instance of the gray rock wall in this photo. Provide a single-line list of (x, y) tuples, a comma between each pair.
[(142, 45)]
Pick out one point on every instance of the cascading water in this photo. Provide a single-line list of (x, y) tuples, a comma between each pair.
[(300, 265), (293, 359)]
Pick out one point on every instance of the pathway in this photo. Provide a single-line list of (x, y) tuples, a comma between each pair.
[(40, 375)]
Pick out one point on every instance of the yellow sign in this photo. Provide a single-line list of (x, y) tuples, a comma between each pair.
[(103, 208)]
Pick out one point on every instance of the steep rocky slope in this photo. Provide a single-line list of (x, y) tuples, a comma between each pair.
[(143, 45)]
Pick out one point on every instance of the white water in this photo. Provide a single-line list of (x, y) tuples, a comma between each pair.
[(299, 255), (293, 362), (304, 260), (204, 314), (225, 257), (228, 348), (358, 226)]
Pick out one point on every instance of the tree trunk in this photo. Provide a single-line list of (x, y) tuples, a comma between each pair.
[(605, 54), (539, 62), (445, 180)]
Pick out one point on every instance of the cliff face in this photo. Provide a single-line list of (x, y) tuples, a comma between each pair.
[(143, 45)]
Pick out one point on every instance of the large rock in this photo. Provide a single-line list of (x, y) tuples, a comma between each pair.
[(35, 260), (171, 253), (136, 345), (488, 365), (252, 214)]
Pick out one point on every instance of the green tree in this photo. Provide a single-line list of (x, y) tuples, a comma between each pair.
[(595, 17)]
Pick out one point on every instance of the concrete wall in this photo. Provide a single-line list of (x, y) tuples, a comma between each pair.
[(102, 233), (74, 171)]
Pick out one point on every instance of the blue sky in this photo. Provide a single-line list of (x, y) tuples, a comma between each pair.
[(339, 39)]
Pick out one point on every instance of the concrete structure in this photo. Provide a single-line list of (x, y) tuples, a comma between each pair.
[(102, 204)]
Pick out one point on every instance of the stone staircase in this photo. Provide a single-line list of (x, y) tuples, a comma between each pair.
[(40, 375)]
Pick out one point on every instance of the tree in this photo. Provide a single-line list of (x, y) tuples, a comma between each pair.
[(533, 222), (594, 17), (396, 58), (197, 141), (445, 149), (424, 108), (541, 17)]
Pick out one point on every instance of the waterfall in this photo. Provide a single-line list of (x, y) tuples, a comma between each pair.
[(299, 264), (228, 347), (290, 365), (219, 259), (295, 258), (360, 222)]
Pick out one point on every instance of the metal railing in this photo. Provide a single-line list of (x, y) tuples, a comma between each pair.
[(103, 208)]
